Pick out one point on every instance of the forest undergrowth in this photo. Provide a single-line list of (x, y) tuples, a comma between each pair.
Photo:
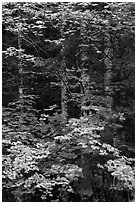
[(57, 161)]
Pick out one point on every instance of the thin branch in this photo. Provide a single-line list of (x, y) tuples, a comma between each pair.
[(32, 45), (65, 83), (36, 44)]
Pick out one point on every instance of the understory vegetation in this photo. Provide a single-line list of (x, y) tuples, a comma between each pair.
[(68, 102)]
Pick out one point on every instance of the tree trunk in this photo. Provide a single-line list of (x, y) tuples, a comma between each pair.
[(64, 91), (108, 75), (83, 67), (63, 70), (20, 65)]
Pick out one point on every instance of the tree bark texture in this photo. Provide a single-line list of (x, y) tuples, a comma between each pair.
[(20, 65), (64, 91), (84, 75), (63, 70), (108, 74)]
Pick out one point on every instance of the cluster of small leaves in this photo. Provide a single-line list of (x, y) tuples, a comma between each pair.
[(123, 173), (48, 169), (22, 169), (26, 161)]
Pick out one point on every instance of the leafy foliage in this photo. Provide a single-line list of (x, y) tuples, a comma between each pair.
[(73, 58), (54, 170)]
